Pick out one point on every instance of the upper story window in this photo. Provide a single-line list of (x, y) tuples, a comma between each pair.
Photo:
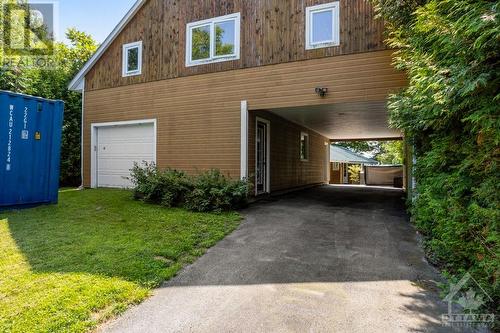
[(213, 40), (132, 59), (304, 147), (323, 25)]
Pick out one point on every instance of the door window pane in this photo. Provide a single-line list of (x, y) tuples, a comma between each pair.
[(224, 38), (304, 147), (200, 43), (322, 26)]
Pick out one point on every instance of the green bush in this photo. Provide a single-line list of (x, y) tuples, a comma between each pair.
[(212, 191), (450, 112), (209, 191), (166, 187)]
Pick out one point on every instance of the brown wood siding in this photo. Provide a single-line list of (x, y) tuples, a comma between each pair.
[(287, 170), (272, 32), (199, 116), (336, 175)]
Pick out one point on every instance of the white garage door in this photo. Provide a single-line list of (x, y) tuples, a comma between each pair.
[(118, 147)]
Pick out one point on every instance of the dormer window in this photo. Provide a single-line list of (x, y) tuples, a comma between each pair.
[(323, 26), (132, 59), (213, 40)]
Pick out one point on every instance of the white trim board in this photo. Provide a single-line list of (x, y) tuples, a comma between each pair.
[(244, 141), (93, 141), (75, 85)]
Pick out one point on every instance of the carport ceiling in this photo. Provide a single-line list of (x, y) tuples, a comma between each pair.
[(343, 121)]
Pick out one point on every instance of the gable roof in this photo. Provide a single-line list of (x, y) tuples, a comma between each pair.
[(77, 83), (343, 155)]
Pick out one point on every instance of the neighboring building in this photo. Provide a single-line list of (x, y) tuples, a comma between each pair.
[(255, 88), (340, 160)]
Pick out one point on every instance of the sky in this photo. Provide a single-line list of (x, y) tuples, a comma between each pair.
[(96, 17)]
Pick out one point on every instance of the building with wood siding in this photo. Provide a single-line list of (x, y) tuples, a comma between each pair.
[(256, 88)]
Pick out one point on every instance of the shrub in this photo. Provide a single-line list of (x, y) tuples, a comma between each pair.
[(215, 192), (166, 187), (354, 173), (450, 113), (209, 191)]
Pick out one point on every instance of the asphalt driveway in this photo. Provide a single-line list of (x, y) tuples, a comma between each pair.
[(328, 259)]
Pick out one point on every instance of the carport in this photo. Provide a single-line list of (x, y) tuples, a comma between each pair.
[(289, 147)]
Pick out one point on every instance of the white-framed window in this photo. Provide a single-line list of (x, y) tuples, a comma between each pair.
[(213, 40), (335, 166), (304, 147), (323, 25), (132, 59)]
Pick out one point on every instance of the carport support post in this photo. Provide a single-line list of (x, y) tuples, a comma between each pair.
[(244, 140)]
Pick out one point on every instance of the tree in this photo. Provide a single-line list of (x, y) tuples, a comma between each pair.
[(53, 84), (451, 52), (390, 152), (360, 146), (18, 76)]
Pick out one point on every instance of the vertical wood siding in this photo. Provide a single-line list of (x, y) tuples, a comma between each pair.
[(272, 32)]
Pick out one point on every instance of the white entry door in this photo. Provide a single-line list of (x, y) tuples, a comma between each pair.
[(117, 148)]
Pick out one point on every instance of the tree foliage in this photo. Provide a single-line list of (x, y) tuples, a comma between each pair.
[(390, 152), (385, 152), (360, 146), (450, 111), (51, 82), (354, 173)]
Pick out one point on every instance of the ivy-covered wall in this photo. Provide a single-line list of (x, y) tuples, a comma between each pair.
[(450, 111)]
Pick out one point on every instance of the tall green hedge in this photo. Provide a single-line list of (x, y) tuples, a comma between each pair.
[(450, 50)]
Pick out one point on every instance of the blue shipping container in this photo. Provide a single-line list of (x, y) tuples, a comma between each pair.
[(30, 149)]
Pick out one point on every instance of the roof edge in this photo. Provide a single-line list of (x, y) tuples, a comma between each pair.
[(75, 84)]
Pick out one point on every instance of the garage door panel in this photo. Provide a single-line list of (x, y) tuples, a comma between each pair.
[(111, 164), (111, 181), (125, 148), (118, 147)]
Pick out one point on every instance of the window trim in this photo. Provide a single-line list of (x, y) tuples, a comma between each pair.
[(306, 135), (334, 7), (213, 58), (125, 48)]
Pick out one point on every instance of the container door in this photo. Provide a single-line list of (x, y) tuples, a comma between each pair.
[(26, 168)]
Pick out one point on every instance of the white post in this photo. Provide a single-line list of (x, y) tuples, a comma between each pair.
[(244, 140)]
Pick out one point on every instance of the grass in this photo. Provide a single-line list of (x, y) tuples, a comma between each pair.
[(69, 267)]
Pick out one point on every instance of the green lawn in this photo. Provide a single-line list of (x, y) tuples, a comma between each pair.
[(69, 267)]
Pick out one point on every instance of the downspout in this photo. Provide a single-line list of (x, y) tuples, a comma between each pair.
[(81, 135)]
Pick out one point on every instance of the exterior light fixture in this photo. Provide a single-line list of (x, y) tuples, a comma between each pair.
[(321, 91)]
